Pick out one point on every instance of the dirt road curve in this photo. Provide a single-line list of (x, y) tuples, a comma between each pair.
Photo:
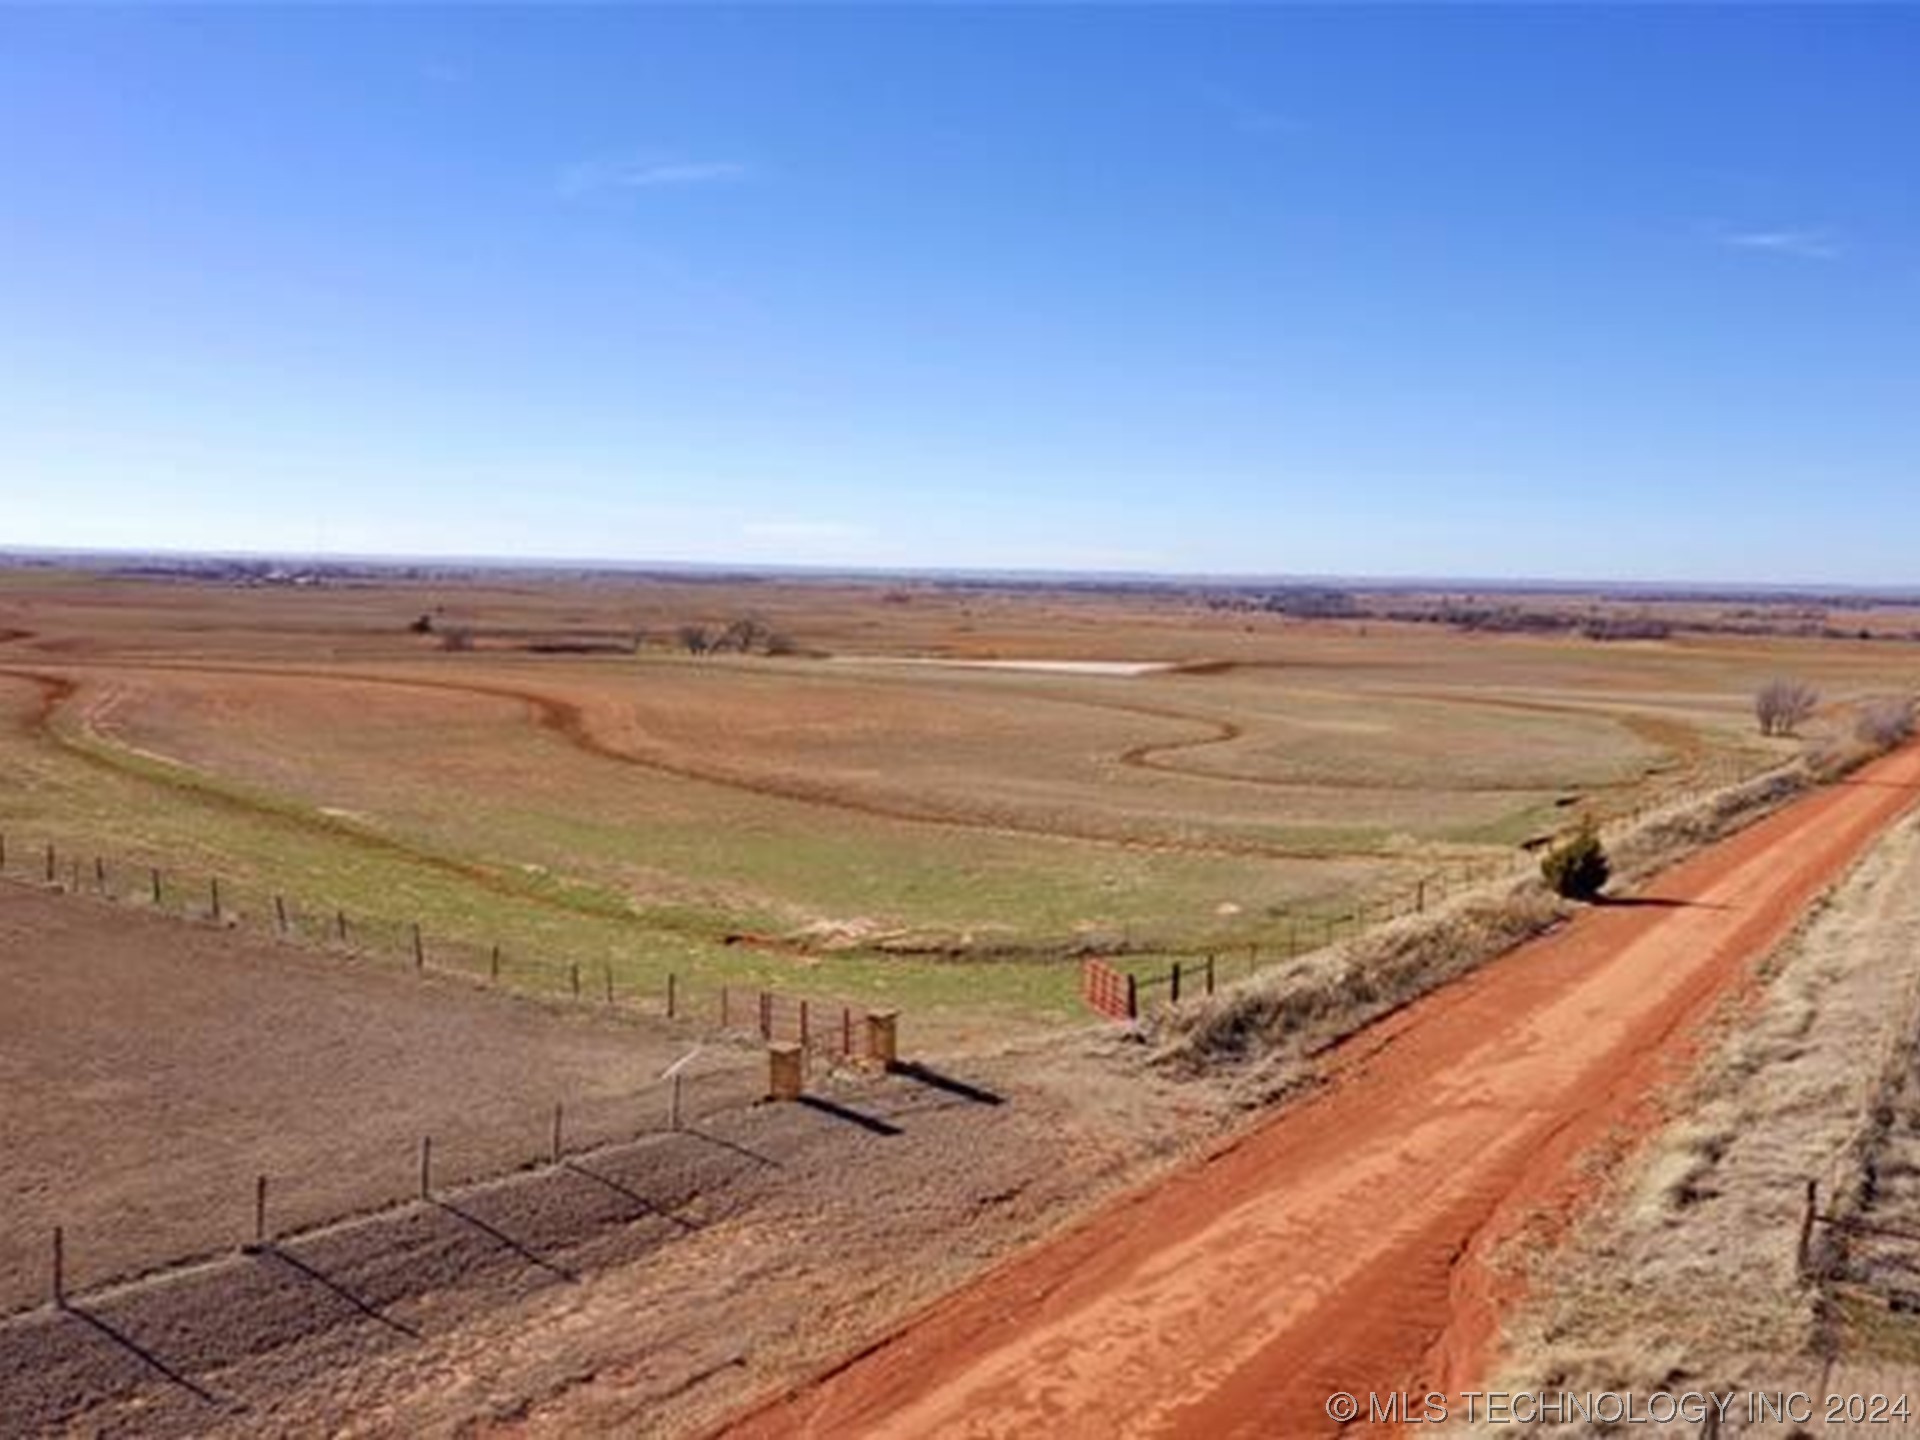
[(1339, 1247)]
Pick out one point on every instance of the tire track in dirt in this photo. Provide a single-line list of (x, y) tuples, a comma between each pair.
[(57, 690), (1149, 756), (1350, 1243), (569, 722)]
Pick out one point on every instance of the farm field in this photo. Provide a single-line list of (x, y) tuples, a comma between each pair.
[(253, 795), (942, 838)]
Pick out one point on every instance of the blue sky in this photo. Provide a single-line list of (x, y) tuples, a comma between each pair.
[(1547, 292)]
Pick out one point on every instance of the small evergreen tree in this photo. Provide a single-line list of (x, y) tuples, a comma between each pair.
[(1578, 867)]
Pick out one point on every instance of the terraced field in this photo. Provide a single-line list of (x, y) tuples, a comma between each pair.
[(944, 836)]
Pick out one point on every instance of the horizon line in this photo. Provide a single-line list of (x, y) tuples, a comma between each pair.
[(1028, 574)]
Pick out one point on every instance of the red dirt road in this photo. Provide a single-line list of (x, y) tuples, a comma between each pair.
[(1340, 1246)]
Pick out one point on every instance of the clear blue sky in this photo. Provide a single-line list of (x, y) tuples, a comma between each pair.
[(1545, 292)]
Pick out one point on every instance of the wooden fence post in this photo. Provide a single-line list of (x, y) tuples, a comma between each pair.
[(280, 912), (803, 1023), (419, 949), (493, 965), (766, 1015), (556, 1131), (100, 874), (260, 1212), (1173, 984), (1209, 974), (59, 1267), (609, 969), (426, 1167), (1133, 998), (49, 862), (673, 1003), (1420, 898), (725, 1018), (340, 925), (213, 894), (155, 875), (1806, 1226), (576, 979)]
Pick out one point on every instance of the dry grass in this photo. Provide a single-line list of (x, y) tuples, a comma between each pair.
[(1273, 1022), (1687, 1275)]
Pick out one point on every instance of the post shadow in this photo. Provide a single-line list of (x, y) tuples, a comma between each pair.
[(506, 1241), (141, 1353), (873, 1124), (641, 1202), (913, 1070), (271, 1251)]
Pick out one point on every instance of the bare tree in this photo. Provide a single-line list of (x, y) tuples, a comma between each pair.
[(1782, 706), (694, 639), (744, 635), (1886, 722)]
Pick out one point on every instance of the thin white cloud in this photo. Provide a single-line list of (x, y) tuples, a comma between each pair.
[(1802, 244), (1249, 116), (587, 177)]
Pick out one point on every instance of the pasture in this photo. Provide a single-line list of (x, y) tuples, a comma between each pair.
[(945, 838)]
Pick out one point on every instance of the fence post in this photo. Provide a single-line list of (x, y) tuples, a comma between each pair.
[(1173, 984), (426, 1167), (1806, 1226), (766, 1015), (576, 979), (846, 1031), (340, 925), (725, 1017), (673, 1104), (883, 1037), (1420, 898), (280, 912), (1133, 998), (59, 1268), (100, 873), (1209, 974), (260, 1212), (785, 1072), (556, 1131), (673, 1002), (213, 894), (609, 968), (3, 850), (493, 965), (419, 949), (803, 1023), (155, 873), (49, 862)]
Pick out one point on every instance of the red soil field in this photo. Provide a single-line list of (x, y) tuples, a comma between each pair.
[(152, 1068), (1345, 1245)]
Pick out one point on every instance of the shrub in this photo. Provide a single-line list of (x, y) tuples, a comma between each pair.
[(1885, 723), (1577, 868)]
